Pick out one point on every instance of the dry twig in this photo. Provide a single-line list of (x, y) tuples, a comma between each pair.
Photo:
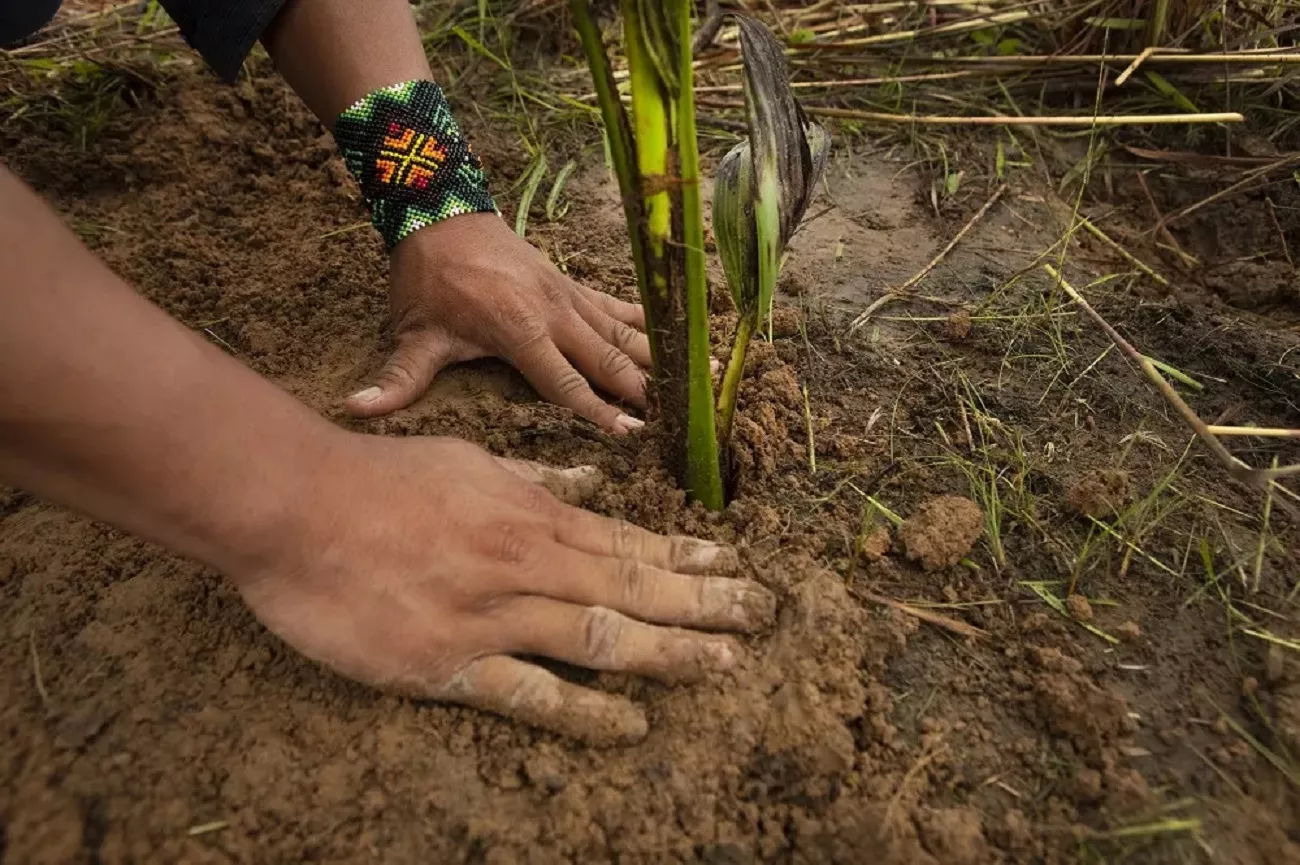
[(948, 624), (1235, 467)]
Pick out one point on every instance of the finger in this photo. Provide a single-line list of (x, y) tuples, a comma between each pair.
[(605, 364), (628, 313), (404, 378), (624, 337), (557, 381), (528, 693), (620, 539), (572, 486), (653, 594), (602, 639)]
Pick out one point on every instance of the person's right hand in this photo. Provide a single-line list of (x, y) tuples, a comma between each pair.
[(428, 567)]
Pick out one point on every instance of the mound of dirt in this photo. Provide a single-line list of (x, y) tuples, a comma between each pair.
[(942, 531)]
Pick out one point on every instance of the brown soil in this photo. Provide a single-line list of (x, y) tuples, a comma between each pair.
[(942, 531), (1099, 493), (147, 716)]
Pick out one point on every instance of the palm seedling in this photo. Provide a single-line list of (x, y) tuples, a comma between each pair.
[(763, 188)]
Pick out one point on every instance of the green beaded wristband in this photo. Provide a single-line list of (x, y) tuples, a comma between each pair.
[(414, 166)]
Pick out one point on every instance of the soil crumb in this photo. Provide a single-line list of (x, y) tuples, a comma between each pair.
[(955, 836), (958, 326), (1100, 493), (875, 545), (942, 531), (1079, 607), (1129, 631)]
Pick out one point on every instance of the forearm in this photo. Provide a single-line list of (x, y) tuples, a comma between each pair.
[(333, 52), (112, 408)]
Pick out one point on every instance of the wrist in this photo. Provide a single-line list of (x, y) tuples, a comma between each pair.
[(414, 166), (257, 521)]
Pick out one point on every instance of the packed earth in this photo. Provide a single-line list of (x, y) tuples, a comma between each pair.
[(1023, 616)]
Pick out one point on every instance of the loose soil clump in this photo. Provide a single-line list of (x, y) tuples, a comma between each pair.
[(942, 531)]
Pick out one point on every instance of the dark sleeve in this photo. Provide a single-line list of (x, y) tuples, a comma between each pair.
[(223, 31), (20, 19)]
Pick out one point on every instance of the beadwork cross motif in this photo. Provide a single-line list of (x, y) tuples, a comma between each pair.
[(408, 157)]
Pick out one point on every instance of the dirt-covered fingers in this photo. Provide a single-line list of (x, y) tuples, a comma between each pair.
[(548, 370), (619, 334), (526, 692), (602, 361), (656, 595), (572, 486), (599, 638), (628, 313), (620, 539)]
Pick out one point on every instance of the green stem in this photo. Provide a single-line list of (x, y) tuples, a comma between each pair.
[(731, 378), (703, 468), (622, 152)]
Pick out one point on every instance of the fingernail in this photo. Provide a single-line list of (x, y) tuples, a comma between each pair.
[(368, 395), (704, 556), (625, 424), (719, 655)]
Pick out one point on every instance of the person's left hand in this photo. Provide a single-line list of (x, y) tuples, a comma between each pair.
[(469, 287)]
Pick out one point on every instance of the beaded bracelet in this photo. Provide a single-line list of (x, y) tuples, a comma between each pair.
[(414, 166)]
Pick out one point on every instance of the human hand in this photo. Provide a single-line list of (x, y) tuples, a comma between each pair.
[(469, 287), (426, 566)]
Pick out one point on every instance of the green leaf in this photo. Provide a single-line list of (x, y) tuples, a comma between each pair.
[(951, 183), (734, 228), (536, 172), (659, 35), (1170, 92), (1000, 161), (767, 225)]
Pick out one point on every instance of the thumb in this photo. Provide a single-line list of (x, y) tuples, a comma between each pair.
[(404, 379)]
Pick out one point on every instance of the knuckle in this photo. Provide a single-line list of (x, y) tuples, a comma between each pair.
[(556, 292), (625, 540), (507, 544), (679, 550), (536, 499), (398, 372), (534, 692), (636, 586), (570, 383), (700, 596), (602, 631), (615, 362), (624, 336)]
